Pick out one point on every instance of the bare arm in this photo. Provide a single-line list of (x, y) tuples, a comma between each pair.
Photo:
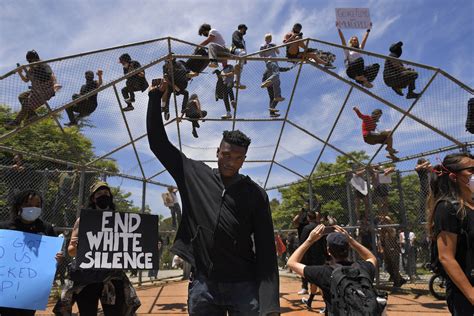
[(22, 75), (364, 40), (295, 260), (207, 40), (341, 36), (446, 243), (72, 247), (363, 252), (99, 74)]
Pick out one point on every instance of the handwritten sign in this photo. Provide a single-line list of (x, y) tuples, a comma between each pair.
[(27, 268), (353, 18), (117, 240)]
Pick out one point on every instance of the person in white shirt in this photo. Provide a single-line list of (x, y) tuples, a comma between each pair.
[(171, 201), (215, 44)]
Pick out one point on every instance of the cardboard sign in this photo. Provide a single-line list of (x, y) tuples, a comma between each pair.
[(359, 184), (27, 268), (353, 18), (385, 179), (117, 240)]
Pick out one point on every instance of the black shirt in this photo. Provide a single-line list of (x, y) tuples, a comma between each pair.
[(88, 87), (423, 176), (221, 226), (238, 40), (445, 219), (37, 227), (320, 275)]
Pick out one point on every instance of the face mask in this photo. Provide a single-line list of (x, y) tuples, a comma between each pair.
[(103, 202), (470, 184), (30, 214)]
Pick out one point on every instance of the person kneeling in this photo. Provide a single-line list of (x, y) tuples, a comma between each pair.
[(355, 276)]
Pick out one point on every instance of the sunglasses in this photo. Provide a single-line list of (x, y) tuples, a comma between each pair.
[(470, 169)]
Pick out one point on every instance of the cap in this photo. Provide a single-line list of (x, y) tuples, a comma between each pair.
[(337, 241), (97, 185)]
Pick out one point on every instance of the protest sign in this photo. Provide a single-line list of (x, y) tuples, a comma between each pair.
[(353, 18), (117, 240), (27, 268)]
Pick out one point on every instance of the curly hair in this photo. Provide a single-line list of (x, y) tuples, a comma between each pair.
[(236, 138)]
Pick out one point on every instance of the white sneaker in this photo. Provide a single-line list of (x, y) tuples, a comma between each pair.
[(303, 292), (226, 116)]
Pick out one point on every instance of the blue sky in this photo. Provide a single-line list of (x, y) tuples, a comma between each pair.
[(437, 33)]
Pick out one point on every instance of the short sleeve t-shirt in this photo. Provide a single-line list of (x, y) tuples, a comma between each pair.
[(445, 219), (320, 275), (39, 74), (218, 39), (268, 53)]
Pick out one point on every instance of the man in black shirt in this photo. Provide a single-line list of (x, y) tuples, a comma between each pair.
[(338, 244), (238, 48), (88, 106), (226, 230), (316, 254), (134, 83)]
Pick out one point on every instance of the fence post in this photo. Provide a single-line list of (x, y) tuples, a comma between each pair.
[(142, 211), (80, 199), (349, 200), (373, 229), (404, 219)]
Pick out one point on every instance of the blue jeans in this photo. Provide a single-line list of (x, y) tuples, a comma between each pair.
[(213, 298), (274, 69)]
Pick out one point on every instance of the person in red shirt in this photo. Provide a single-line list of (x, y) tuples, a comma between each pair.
[(372, 136)]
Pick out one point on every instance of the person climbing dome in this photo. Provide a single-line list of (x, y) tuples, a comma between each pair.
[(194, 112), (134, 83), (397, 76), (224, 89), (355, 65), (372, 136)]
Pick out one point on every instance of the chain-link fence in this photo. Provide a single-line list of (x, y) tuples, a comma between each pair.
[(72, 132)]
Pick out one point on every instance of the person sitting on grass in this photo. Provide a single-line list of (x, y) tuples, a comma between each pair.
[(397, 76), (372, 136), (355, 66)]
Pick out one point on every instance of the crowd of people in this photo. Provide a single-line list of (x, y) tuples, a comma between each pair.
[(178, 73), (225, 230)]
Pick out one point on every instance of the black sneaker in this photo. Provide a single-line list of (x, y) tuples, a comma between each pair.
[(167, 116), (195, 134), (128, 108), (412, 95)]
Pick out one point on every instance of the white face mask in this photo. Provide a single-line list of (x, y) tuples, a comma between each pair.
[(30, 214)]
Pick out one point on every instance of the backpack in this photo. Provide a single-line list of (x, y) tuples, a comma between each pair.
[(352, 292), (470, 116), (435, 264)]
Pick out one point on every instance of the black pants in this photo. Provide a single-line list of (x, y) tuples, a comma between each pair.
[(88, 300), (228, 96), (357, 68), (459, 305), (5, 311), (132, 86), (84, 108), (185, 95), (406, 79)]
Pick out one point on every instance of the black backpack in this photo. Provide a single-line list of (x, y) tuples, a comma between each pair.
[(470, 116), (352, 292), (435, 264)]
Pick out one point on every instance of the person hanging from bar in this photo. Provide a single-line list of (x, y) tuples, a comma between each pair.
[(224, 89), (355, 64), (194, 112), (174, 72), (43, 87), (87, 106), (397, 76), (372, 136), (134, 83)]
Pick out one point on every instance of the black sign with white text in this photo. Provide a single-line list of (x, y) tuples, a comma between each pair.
[(117, 240)]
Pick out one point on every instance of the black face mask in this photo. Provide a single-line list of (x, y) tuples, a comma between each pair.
[(103, 202)]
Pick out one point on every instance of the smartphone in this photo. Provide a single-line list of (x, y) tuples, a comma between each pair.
[(156, 82), (328, 229)]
